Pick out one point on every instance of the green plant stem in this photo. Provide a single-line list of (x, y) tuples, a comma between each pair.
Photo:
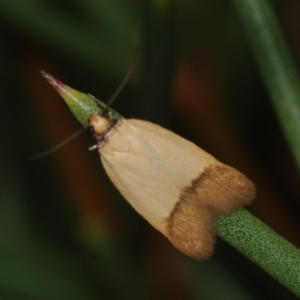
[(263, 246), (276, 65)]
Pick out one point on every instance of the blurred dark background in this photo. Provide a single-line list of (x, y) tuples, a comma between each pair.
[(65, 232)]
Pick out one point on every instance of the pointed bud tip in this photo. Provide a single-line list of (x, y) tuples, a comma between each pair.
[(57, 85)]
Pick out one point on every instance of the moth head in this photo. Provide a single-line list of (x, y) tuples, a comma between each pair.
[(100, 124)]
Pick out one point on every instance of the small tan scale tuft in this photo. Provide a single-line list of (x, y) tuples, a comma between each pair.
[(100, 124)]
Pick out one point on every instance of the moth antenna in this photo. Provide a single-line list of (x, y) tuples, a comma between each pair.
[(58, 146), (124, 81)]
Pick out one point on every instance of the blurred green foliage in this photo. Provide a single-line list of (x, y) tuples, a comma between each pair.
[(46, 252)]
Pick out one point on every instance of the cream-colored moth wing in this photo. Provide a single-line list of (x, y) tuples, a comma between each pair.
[(172, 183)]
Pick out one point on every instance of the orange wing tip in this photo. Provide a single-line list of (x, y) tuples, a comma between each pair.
[(219, 190), (190, 228), (223, 188)]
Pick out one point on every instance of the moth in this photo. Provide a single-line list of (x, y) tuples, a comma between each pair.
[(175, 185)]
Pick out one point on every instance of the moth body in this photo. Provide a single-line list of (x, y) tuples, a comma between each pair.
[(175, 185)]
